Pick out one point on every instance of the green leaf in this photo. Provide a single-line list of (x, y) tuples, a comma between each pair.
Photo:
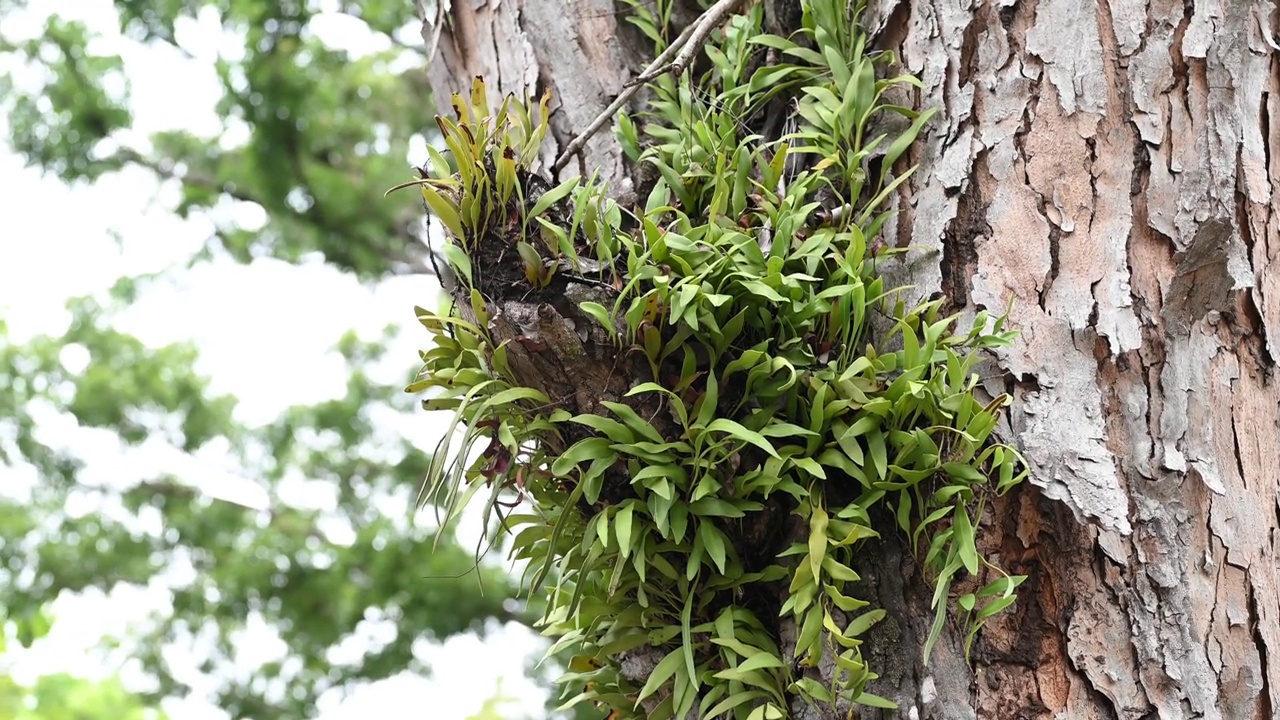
[(622, 526), (614, 430), (995, 606), (767, 712), (446, 210), (786, 429), (676, 473), (774, 41), (733, 701), (870, 700), (679, 520), (601, 524), (759, 289), (1006, 480), (714, 543), (514, 395), (817, 538), (815, 690), (554, 195), (716, 507), (1003, 585), (761, 661), (739, 647), (673, 400), (707, 404), (662, 672), (904, 141), (862, 426), (686, 636), (963, 471), (459, 261), (879, 454), (600, 314), (810, 641), (532, 260), (659, 509), (632, 420), (861, 624), (738, 432), (844, 602), (628, 136), (838, 64), (580, 452), (809, 466), (963, 538), (839, 571)]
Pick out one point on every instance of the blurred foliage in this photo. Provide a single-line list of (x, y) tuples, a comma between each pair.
[(63, 697), (313, 575), (312, 135), (492, 707), (59, 128)]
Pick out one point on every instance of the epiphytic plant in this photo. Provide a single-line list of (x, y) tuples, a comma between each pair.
[(767, 374)]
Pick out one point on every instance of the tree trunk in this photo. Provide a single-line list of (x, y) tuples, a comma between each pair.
[(1111, 168)]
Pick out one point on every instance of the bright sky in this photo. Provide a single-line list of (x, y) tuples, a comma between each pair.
[(62, 241)]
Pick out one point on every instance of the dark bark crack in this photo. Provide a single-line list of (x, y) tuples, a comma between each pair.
[(959, 241), (1055, 245), (1255, 625), (1235, 439)]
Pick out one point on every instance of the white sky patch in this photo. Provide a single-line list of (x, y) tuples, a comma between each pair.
[(346, 33)]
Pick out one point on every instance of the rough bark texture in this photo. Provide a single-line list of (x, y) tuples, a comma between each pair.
[(1111, 165)]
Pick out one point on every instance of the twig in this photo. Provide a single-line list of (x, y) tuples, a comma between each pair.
[(710, 20), (661, 63), (655, 68), (687, 45)]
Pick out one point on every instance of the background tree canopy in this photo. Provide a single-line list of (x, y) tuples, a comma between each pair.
[(309, 132), (63, 697)]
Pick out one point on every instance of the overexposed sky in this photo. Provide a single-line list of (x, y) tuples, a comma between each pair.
[(265, 333)]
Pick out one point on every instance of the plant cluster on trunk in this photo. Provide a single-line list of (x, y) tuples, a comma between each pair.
[(701, 409)]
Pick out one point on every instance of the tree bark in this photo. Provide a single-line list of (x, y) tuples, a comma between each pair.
[(1111, 167)]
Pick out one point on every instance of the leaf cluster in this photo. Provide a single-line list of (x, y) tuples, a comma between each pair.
[(793, 389), (492, 155)]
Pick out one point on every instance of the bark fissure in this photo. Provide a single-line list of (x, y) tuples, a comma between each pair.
[(1255, 624)]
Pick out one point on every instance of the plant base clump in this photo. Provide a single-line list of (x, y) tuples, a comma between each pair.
[(690, 415)]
